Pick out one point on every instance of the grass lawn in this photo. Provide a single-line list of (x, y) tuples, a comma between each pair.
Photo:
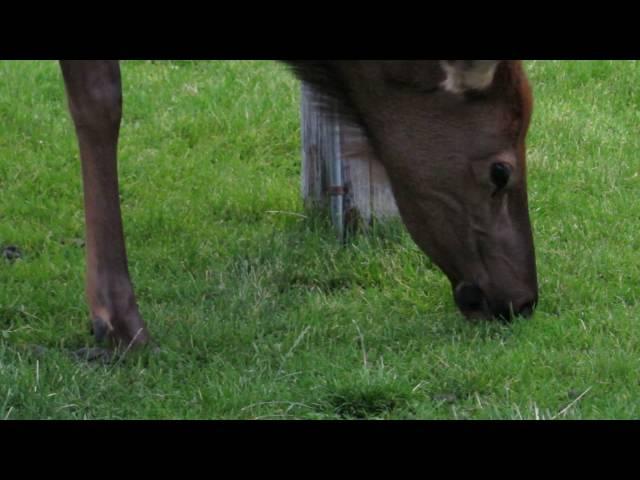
[(259, 312)]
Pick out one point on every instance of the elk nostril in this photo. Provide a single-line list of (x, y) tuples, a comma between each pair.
[(469, 297)]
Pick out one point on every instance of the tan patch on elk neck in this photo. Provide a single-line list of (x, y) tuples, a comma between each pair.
[(461, 77)]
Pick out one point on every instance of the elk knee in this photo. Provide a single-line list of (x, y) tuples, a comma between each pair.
[(94, 92)]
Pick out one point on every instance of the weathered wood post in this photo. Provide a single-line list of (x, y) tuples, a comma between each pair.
[(340, 172)]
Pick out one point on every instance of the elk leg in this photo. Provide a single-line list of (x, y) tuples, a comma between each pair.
[(94, 94)]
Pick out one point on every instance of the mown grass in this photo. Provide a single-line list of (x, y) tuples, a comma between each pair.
[(258, 311)]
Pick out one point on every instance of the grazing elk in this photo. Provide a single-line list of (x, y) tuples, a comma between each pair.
[(450, 134)]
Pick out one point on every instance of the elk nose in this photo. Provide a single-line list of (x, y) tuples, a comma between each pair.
[(472, 301)]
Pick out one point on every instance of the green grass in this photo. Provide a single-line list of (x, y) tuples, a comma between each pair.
[(259, 312)]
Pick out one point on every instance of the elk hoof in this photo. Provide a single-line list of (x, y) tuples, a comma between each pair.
[(100, 329), (119, 330)]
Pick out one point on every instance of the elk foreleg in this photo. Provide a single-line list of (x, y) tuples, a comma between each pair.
[(94, 93)]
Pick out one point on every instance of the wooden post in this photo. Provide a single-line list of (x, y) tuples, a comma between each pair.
[(339, 169)]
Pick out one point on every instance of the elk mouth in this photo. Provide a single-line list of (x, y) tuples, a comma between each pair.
[(474, 304)]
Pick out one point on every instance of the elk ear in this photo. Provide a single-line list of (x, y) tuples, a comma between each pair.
[(465, 75), (323, 75), (332, 91)]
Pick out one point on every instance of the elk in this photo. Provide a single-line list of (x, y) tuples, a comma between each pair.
[(450, 134)]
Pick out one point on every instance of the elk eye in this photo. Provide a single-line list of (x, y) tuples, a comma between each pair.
[(500, 173)]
